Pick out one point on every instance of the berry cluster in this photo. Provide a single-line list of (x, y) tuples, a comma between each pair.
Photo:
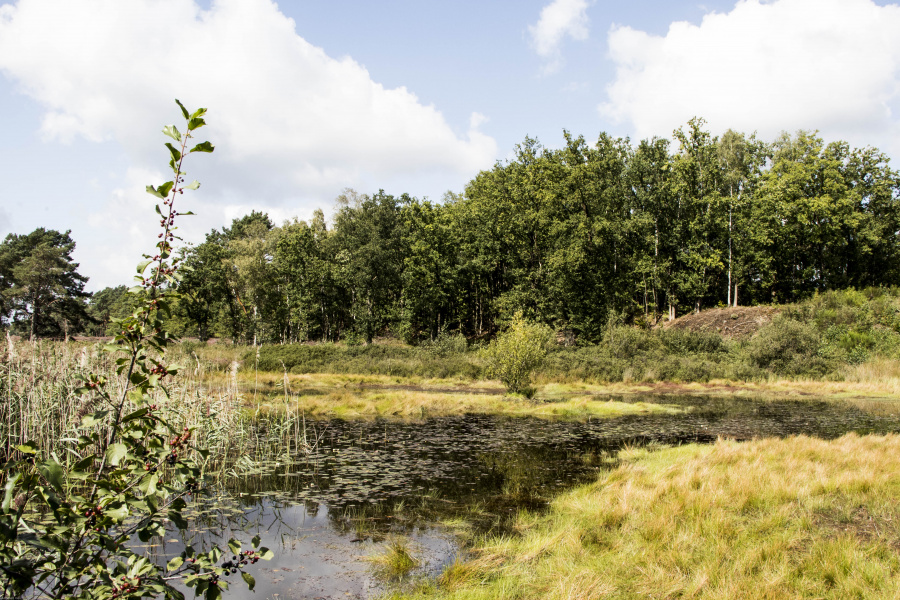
[(246, 557), (92, 514), (178, 443), (126, 587)]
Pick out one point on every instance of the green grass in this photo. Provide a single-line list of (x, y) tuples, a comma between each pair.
[(794, 518), (395, 559)]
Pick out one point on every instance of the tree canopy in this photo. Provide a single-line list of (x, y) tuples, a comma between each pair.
[(570, 237), (41, 290)]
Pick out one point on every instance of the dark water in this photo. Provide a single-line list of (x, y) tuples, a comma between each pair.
[(349, 486)]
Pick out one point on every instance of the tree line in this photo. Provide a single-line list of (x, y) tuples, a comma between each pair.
[(571, 237)]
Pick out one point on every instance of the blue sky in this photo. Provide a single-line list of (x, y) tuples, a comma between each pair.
[(309, 97)]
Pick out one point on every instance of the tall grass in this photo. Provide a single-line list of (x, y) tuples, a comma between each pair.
[(38, 400), (794, 518)]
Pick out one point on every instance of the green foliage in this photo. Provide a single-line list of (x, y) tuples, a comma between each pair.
[(786, 346), (107, 306), (374, 359), (515, 354), (41, 292), (67, 520), (685, 341), (446, 344)]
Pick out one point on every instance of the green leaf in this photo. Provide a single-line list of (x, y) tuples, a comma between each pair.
[(192, 186), (151, 485), (115, 453), (196, 123), (203, 147), (136, 414), (9, 492), (213, 593), (175, 563), (184, 111), (251, 583), (28, 448), (198, 113), (179, 520), (93, 419), (176, 154), (53, 473), (266, 554), (155, 192), (234, 546), (172, 132), (255, 541), (165, 188), (84, 463), (118, 513), (142, 266)]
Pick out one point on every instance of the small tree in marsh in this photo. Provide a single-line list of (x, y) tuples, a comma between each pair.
[(514, 354), (127, 469)]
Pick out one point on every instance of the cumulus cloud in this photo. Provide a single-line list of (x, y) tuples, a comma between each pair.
[(558, 19), (292, 125), (770, 66), (106, 69)]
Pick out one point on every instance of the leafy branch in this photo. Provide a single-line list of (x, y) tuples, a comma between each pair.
[(133, 468)]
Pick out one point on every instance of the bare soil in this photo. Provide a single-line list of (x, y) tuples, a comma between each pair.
[(737, 322)]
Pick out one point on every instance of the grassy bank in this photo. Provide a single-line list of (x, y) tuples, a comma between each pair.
[(351, 397), (790, 518), (845, 336)]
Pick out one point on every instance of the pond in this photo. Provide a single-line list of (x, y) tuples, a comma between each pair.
[(349, 487)]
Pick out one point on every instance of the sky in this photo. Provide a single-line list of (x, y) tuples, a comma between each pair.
[(309, 97)]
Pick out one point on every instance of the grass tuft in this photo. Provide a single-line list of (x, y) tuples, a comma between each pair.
[(395, 560)]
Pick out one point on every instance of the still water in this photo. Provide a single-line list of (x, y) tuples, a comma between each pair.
[(349, 487)]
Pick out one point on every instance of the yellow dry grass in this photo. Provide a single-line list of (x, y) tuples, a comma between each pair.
[(795, 518)]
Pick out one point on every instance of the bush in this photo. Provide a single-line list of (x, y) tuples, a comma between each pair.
[(627, 342), (685, 341), (785, 346), (514, 355), (445, 344)]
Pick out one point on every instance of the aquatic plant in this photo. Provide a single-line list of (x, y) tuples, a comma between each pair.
[(395, 560)]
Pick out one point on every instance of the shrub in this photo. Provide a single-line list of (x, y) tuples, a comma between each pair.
[(446, 344), (627, 342), (685, 341), (785, 346), (514, 355), (68, 519)]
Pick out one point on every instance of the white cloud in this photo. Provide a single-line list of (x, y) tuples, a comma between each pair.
[(558, 19), (767, 66), (292, 126), (283, 114), (111, 242)]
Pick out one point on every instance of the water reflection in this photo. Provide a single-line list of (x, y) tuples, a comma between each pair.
[(327, 504)]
